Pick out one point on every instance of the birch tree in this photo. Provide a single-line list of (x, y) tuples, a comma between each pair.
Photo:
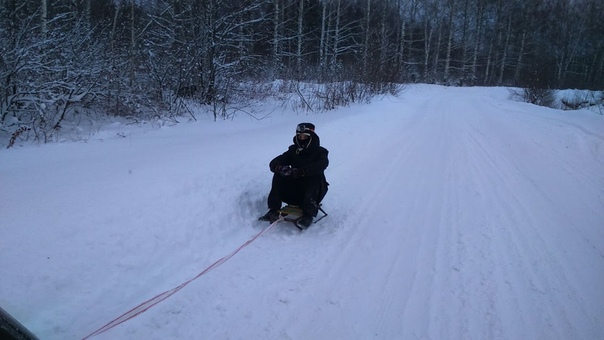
[(43, 16), (451, 28), (300, 39)]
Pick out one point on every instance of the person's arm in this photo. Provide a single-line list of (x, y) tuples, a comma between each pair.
[(282, 159), (318, 165)]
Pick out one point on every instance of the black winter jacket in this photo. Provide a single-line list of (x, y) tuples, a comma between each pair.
[(312, 158)]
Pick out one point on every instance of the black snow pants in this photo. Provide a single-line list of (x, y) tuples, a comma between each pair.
[(305, 192)]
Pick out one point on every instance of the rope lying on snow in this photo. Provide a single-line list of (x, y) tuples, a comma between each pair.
[(143, 307)]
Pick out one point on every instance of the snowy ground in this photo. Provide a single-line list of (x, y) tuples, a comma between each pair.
[(454, 213)]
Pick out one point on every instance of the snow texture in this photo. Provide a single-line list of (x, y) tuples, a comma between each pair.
[(454, 213)]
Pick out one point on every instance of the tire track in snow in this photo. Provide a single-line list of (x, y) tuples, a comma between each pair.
[(418, 226), (452, 284), (460, 252), (493, 243), (524, 243), (366, 228), (380, 238)]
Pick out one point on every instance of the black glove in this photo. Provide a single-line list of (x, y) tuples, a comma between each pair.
[(283, 170), (297, 173)]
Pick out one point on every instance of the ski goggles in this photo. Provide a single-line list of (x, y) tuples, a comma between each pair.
[(305, 128)]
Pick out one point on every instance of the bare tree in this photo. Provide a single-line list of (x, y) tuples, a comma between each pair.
[(300, 39), (277, 15), (43, 16), (367, 37), (451, 28)]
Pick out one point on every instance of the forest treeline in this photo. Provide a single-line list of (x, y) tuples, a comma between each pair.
[(61, 59)]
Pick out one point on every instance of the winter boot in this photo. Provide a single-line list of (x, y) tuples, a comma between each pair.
[(271, 216), (304, 222)]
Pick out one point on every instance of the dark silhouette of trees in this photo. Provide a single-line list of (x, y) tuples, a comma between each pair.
[(64, 59)]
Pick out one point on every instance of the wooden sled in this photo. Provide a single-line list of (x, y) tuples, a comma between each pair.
[(292, 213)]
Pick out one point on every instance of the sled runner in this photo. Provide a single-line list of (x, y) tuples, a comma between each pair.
[(293, 213)]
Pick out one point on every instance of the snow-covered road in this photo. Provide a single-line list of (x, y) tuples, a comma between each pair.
[(453, 214)]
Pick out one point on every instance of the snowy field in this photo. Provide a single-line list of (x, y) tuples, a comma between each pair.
[(454, 213)]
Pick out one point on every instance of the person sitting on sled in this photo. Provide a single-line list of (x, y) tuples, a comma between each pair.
[(299, 177)]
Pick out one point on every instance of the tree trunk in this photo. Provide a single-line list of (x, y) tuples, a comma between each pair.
[(43, 17), (477, 40), (464, 43), (114, 26), (383, 41), (520, 55), (428, 31), (401, 48), (505, 51), (449, 45), (336, 40), (300, 39), (87, 11), (132, 44), (437, 54), (366, 42), (488, 65), (323, 41), (276, 40)]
